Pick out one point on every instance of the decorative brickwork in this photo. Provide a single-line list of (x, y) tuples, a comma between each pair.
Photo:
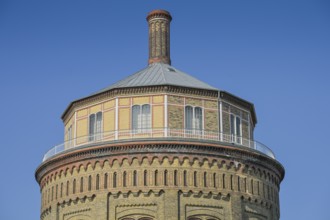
[(184, 170)]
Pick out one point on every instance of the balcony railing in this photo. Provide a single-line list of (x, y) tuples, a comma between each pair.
[(160, 133)]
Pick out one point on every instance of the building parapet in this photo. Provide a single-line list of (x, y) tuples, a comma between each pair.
[(159, 133)]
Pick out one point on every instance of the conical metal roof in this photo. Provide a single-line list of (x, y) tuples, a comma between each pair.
[(159, 74)]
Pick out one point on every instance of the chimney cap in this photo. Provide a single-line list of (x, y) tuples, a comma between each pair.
[(159, 13)]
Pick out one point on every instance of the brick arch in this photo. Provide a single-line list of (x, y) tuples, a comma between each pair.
[(80, 217), (202, 217)]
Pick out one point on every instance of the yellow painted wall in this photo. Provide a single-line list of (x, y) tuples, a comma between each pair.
[(95, 109), (141, 100), (109, 121), (124, 119), (82, 113), (109, 104), (124, 101), (82, 127), (158, 116), (158, 99)]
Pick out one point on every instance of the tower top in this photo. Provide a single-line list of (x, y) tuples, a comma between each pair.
[(159, 36)]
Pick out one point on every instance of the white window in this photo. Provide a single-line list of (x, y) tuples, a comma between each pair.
[(95, 126), (69, 137), (193, 119), (235, 128), (141, 118)]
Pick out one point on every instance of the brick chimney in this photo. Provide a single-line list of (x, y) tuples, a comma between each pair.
[(159, 36)]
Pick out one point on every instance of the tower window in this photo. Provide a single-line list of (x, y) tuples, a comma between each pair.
[(74, 186), (81, 184), (67, 188), (214, 180), (61, 191), (175, 177), (193, 119), (97, 182), (165, 177), (145, 178), (124, 179), (95, 126), (205, 179), (141, 118), (105, 181), (156, 178), (134, 178), (114, 183), (89, 183), (195, 178), (185, 178), (235, 129)]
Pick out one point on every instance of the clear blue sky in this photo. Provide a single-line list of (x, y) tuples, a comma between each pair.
[(272, 53)]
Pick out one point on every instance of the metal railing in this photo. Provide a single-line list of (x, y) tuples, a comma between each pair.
[(154, 133)]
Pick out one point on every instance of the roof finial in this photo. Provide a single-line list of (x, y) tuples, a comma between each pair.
[(159, 36)]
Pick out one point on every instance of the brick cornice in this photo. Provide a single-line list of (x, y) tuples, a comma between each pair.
[(161, 149)]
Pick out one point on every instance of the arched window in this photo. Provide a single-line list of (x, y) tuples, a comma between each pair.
[(214, 180), (195, 178), (185, 178), (193, 120), (238, 183), (67, 188), (263, 190), (114, 183), (61, 190), (74, 186), (81, 184), (224, 181), (145, 178), (89, 183), (105, 180), (56, 191), (235, 129), (258, 188), (141, 118), (205, 179), (175, 178), (97, 182), (165, 177), (124, 179), (134, 178), (156, 177), (252, 186), (95, 126)]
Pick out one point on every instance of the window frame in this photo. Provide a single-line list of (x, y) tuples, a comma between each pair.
[(235, 132), (196, 128), (95, 128), (142, 122)]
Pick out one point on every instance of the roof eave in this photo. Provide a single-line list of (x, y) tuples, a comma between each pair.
[(100, 93)]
